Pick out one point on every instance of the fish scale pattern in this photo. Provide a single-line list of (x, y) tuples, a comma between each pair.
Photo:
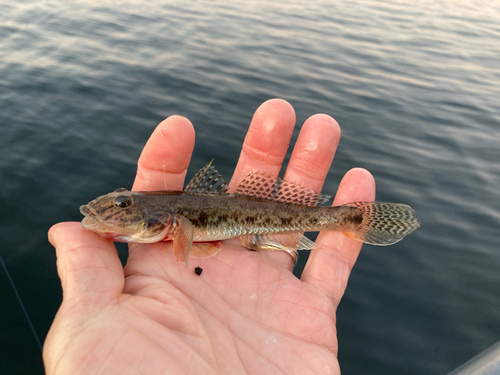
[(273, 188)]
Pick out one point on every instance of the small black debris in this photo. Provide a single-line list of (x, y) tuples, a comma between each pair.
[(198, 270)]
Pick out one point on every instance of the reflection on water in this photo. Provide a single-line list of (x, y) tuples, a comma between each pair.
[(415, 89)]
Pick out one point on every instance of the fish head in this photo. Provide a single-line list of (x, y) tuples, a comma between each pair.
[(122, 216)]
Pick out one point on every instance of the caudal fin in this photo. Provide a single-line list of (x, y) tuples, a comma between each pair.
[(383, 223)]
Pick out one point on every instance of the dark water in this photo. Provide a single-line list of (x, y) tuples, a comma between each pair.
[(415, 88)]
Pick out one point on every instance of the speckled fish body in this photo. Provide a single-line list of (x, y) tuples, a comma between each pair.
[(265, 212), (214, 217)]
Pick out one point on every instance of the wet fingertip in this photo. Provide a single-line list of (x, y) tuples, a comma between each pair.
[(175, 118), (166, 155), (277, 104), (358, 184), (54, 231), (274, 114), (314, 151), (363, 177), (318, 140), (323, 119), (173, 127)]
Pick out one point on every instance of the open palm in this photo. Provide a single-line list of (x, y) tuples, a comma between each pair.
[(246, 312)]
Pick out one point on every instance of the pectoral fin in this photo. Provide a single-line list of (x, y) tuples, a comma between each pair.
[(183, 239)]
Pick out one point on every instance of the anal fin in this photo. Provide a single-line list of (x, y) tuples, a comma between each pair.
[(205, 249), (289, 242)]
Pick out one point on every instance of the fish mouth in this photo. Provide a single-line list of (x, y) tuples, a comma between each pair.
[(91, 219)]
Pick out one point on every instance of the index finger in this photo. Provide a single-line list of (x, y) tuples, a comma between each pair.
[(165, 158)]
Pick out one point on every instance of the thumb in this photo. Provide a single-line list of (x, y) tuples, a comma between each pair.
[(88, 265)]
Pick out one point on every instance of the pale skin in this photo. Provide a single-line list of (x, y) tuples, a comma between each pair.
[(246, 313)]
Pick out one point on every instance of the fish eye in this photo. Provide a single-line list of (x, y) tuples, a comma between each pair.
[(122, 201)]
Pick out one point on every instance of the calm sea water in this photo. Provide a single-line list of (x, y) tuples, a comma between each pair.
[(415, 88)]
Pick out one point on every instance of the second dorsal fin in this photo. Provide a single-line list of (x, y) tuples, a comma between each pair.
[(273, 188), (207, 179)]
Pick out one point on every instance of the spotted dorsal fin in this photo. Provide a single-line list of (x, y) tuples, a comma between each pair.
[(207, 179), (273, 188)]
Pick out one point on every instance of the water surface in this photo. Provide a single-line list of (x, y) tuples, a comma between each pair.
[(415, 89)]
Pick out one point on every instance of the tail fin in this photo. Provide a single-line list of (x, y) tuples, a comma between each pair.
[(383, 223)]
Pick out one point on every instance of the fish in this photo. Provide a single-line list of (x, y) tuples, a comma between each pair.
[(265, 212)]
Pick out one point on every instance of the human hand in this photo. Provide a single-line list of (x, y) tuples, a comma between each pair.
[(246, 313)]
